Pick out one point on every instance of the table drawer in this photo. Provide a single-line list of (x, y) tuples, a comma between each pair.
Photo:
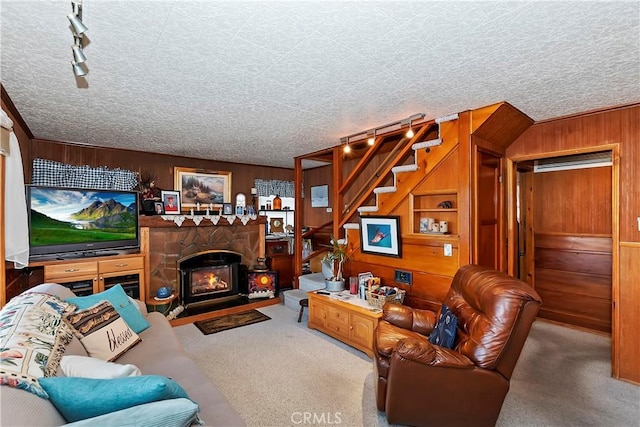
[(337, 316), (121, 264), (338, 328)]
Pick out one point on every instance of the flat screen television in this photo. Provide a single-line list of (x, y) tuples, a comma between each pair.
[(81, 221)]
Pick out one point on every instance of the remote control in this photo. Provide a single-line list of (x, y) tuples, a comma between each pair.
[(323, 293)]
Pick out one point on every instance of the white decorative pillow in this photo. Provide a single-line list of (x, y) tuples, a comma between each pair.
[(90, 367), (102, 332)]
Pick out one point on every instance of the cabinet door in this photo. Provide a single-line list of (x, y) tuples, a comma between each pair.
[(361, 331), (317, 314)]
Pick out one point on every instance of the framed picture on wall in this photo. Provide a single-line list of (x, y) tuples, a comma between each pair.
[(380, 235), (170, 202), (198, 186), (320, 196)]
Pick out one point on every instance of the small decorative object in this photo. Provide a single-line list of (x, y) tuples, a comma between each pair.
[(435, 227), (277, 203), (227, 209), (336, 258), (263, 284), (276, 225), (446, 204), (171, 202), (379, 235), (444, 226), (158, 208), (239, 210), (260, 266), (164, 292), (269, 205)]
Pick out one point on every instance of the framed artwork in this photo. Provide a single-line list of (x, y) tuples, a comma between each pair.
[(170, 202), (158, 208), (263, 281), (239, 210), (379, 235), (320, 196), (208, 188), (227, 209)]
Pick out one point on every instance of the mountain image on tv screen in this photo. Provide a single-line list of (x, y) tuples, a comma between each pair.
[(64, 216)]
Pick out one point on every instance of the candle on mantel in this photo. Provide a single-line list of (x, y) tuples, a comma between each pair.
[(254, 191)]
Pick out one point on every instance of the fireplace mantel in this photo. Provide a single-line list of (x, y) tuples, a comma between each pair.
[(163, 242)]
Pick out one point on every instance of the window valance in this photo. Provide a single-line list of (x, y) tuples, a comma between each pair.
[(270, 187), (56, 174)]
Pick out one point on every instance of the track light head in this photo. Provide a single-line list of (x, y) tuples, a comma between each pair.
[(76, 23), (78, 70), (78, 54)]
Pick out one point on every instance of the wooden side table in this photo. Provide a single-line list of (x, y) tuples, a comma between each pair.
[(163, 306)]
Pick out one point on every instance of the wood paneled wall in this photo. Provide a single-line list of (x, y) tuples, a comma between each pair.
[(314, 217), (159, 165), (620, 128)]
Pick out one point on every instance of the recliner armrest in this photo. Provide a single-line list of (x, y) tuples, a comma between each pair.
[(433, 355), (414, 319)]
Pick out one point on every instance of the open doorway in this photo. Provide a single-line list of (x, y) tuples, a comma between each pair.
[(565, 236)]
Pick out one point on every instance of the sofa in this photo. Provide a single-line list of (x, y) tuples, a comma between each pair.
[(158, 353)]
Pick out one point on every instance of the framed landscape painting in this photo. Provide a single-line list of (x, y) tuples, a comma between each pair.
[(379, 235), (202, 187)]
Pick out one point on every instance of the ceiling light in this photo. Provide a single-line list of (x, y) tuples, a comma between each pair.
[(347, 148), (372, 139), (76, 18), (78, 70), (78, 54), (409, 133)]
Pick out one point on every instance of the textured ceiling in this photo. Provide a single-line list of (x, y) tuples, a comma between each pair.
[(262, 82)]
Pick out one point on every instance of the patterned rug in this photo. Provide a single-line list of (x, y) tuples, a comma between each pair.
[(230, 321)]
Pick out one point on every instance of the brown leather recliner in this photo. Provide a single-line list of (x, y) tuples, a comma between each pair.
[(422, 384)]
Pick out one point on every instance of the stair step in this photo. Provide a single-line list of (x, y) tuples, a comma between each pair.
[(380, 190), (368, 209), (425, 144), (311, 282), (447, 118), (404, 168), (292, 298), (351, 225)]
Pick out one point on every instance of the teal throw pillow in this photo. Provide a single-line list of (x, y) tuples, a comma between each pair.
[(81, 398), (172, 412), (444, 333), (120, 301)]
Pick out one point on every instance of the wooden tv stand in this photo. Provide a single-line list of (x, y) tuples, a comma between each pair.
[(95, 274), (349, 323)]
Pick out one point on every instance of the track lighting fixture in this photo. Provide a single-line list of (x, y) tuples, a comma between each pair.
[(78, 70), (78, 54), (76, 18), (347, 147), (389, 127), (78, 29), (372, 139), (409, 133)]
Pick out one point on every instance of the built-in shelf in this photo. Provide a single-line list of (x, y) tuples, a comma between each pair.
[(425, 205)]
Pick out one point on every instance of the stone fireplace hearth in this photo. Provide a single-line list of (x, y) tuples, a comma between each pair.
[(165, 244)]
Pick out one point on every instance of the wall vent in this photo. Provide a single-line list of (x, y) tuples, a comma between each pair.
[(576, 161)]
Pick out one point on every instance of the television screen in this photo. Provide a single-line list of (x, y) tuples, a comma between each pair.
[(74, 219)]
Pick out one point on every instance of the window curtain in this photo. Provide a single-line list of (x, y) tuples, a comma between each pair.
[(270, 187), (56, 174), (15, 209)]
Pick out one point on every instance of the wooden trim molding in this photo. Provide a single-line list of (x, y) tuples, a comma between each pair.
[(14, 111)]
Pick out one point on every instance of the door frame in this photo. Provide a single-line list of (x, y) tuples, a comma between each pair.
[(512, 229)]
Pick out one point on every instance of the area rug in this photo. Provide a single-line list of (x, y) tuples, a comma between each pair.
[(230, 321)]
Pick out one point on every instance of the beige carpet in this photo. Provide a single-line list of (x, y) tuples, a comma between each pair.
[(276, 373)]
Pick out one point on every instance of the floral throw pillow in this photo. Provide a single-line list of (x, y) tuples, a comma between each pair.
[(32, 339)]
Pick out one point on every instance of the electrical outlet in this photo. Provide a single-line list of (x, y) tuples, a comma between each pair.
[(448, 249), (403, 277)]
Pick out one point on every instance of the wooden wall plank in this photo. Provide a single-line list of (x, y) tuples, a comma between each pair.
[(576, 261), (629, 355)]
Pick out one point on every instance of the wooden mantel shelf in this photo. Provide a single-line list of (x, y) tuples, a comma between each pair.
[(157, 222)]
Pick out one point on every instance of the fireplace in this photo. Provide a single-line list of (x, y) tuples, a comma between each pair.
[(211, 276)]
